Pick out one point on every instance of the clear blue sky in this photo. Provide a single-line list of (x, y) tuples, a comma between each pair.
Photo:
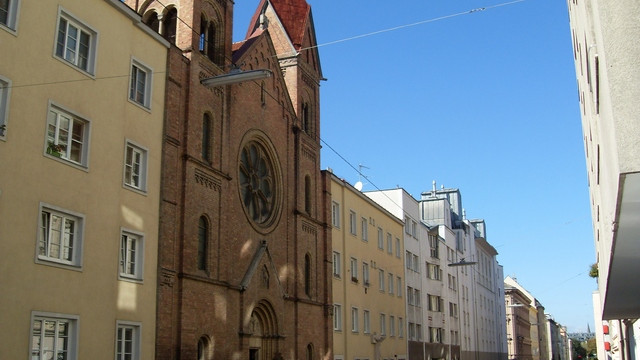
[(485, 102)]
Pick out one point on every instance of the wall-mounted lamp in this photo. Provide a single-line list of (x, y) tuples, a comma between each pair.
[(462, 262), (236, 76)]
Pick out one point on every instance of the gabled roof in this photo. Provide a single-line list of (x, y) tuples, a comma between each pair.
[(293, 14), (238, 49)]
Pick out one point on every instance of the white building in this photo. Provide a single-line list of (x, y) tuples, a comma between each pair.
[(480, 286), (607, 61), (433, 318)]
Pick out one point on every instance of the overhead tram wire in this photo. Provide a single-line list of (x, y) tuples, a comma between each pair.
[(302, 49), (312, 47)]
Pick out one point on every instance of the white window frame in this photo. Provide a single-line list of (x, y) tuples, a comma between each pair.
[(392, 325), (365, 229), (353, 264), (389, 243), (135, 88), (76, 240), (5, 95), (380, 239), (337, 264), (354, 319), (73, 59), (129, 168), (135, 330), (381, 279), (383, 324), (335, 214), (54, 138), (390, 285), (398, 248), (337, 317), (353, 226), (399, 284), (400, 327), (56, 319), (126, 272), (365, 273), (366, 321), (12, 17)]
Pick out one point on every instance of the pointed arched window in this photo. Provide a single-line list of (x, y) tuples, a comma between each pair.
[(203, 242), (206, 138), (307, 274)]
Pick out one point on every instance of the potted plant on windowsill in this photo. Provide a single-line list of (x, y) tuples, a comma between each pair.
[(55, 149)]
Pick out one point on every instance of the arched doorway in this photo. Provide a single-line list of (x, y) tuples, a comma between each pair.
[(263, 342)]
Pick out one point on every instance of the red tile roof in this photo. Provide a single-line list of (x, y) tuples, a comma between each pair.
[(292, 13)]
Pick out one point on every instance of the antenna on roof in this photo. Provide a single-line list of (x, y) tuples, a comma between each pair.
[(358, 185)]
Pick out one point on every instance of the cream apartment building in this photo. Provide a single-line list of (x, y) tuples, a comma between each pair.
[(81, 117), (606, 56), (369, 318)]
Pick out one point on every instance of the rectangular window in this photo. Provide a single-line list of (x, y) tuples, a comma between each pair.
[(416, 263), (392, 325), (366, 322), (354, 269), (54, 336), (335, 214), (76, 43), (419, 332), (128, 341), (409, 260), (365, 229), (383, 324), (398, 250), (337, 317), (399, 284), (434, 303), (60, 236), (410, 295), (434, 272), (433, 246), (412, 331), (140, 84), (389, 243), (380, 239), (381, 279), (135, 167), (131, 255), (416, 297), (336, 264), (352, 223), (67, 136), (414, 228), (391, 287), (5, 87), (354, 319), (407, 225), (365, 273), (8, 13), (400, 327)]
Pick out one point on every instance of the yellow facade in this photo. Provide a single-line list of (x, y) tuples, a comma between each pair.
[(70, 200), (365, 236)]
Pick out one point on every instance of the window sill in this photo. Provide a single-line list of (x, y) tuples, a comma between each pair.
[(78, 166), (141, 106), (132, 279), (52, 262), (142, 192)]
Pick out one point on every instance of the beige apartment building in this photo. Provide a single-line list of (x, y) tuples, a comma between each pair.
[(368, 277), (81, 116), (606, 55)]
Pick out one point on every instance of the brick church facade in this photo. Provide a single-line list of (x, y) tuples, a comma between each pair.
[(244, 247)]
